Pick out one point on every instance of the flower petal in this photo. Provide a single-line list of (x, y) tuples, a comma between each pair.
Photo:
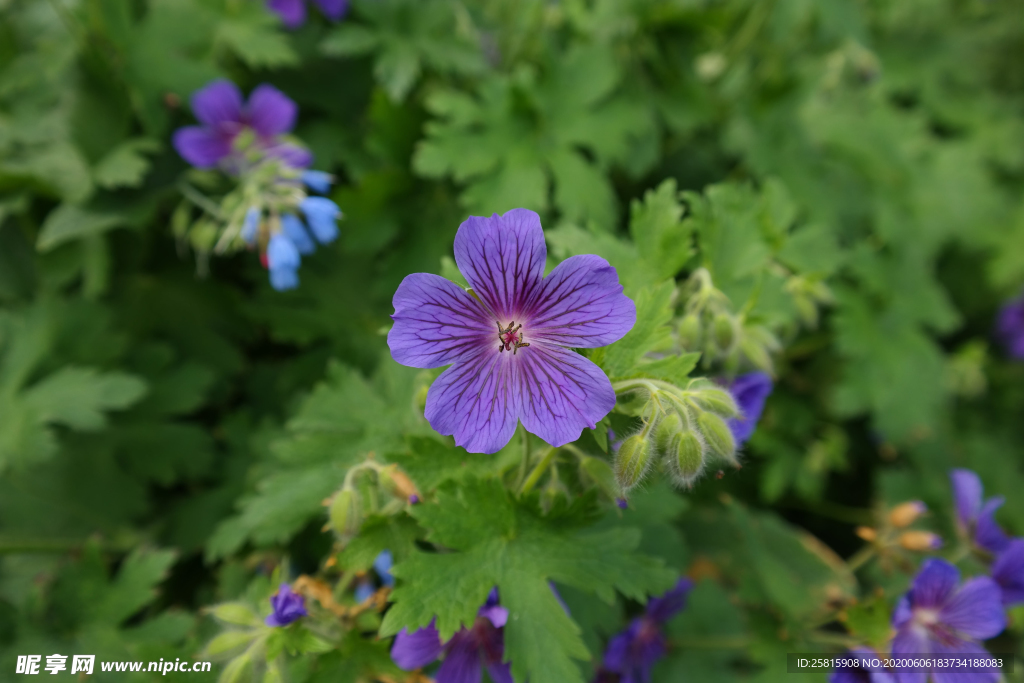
[(333, 9), (282, 253), (502, 258), (911, 641), (967, 493), (496, 614), (296, 233), (293, 155), (934, 584), (560, 393), (283, 279), (462, 663), (322, 215), (580, 304), (976, 610), (416, 649), (1008, 572), (671, 603), (750, 391), (475, 400), (500, 673), (271, 112), (201, 147), (437, 323), (987, 532), (292, 12), (959, 650), (217, 103)]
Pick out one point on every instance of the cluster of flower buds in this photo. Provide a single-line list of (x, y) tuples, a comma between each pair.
[(369, 488), (685, 429), (710, 326), (892, 534)]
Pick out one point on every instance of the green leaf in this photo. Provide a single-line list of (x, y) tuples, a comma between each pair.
[(653, 314), (79, 397), (135, 585), (69, 222), (500, 543), (254, 36), (662, 238), (125, 165)]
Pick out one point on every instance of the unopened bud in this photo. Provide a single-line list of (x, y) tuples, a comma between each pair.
[(724, 330), (600, 472), (757, 354), (905, 514), (396, 482), (717, 436), (920, 540), (688, 460), (690, 332), (717, 401), (345, 513), (669, 427), (632, 460), (866, 533)]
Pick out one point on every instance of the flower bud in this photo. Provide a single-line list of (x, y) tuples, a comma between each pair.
[(600, 472), (866, 533), (345, 513), (690, 332), (632, 460), (920, 540), (396, 482), (669, 427), (724, 331), (718, 436), (718, 401), (688, 457), (905, 514)]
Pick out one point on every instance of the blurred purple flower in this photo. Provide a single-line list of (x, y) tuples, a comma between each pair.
[(632, 653), (293, 12), (382, 566), (466, 654), (1008, 572), (975, 517), (1010, 327), (750, 391), (219, 107), (554, 391), (941, 617), (288, 607), (865, 673)]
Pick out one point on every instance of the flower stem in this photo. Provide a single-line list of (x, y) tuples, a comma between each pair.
[(525, 463), (860, 558), (535, 475)]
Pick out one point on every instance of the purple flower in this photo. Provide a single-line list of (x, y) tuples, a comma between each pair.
[(865, 673), (466, 654), (975, 517), (632, 653), (269, 113), (531, 374), (288, 607), (293, 12), (940, 617), (1010, 327), (750, 391), (1008, 572)]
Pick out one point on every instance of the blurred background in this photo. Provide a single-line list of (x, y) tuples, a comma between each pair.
[(854, 169)]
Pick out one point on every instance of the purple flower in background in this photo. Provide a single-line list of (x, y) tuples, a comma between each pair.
[(288, 607), (865, 673), (975, 517), (293, 12), (219, 107), (750, 391), (1008, 572), (938, 616), (632, 653), (1010, 327), (466, 654), (509, 341)]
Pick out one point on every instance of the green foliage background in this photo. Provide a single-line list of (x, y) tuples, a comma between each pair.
[(850, 172)]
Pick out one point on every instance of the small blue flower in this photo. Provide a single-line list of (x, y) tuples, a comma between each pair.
[(382, 565), (322, 215), (296, 233), (251, 225), (288, 606), (317, 181), (283, 261)]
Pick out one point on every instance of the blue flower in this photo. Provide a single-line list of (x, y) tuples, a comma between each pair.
[(296, 233), (382, 566), (283, 261), (317, 181), (632, 653), (250, 225), (975, 517), (322, 215), (288, 607), (750, 391)]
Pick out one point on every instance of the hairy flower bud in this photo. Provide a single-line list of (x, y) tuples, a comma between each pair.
[(632, 460), (669, 427), (690, 332), (687, 457), (718, 436), (905, 514), (920, 541), (718, 401), (724, 331), (345, 513)]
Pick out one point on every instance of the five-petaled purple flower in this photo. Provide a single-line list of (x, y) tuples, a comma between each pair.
[(1010, 327), (865, 672), (974, 516), (632, 653), (288, 607), (940, 617), (509, 341), (293, 12), (466, 654), (750, 391), (269, 114), (1008, 572)]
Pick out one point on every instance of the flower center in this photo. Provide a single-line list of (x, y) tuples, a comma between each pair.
[(510, 338)]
